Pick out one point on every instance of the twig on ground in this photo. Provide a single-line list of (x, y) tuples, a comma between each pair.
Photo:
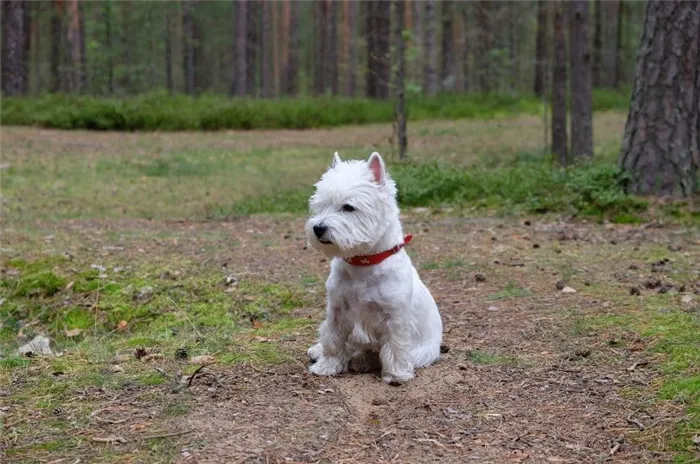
[(194, 374), (636, 365), (166, 435), (634, 422), (262, 371), (616, 447), (109, 440)]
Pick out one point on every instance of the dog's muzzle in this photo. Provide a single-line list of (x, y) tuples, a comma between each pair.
[(319, 231)]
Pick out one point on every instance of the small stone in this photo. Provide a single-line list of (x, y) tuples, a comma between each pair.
[(492, 308), (479, 277), (204, 359), (39, 345), (687, 299), (568, 290), (116, 368), (560, 285)]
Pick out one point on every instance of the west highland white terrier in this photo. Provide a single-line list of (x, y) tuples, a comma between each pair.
[(378, 309)]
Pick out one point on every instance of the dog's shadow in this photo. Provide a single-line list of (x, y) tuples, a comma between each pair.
[(366, 363)]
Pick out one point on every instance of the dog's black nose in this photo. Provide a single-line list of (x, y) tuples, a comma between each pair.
[(319, 230)]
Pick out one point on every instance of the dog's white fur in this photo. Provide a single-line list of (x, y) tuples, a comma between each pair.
[(382, 309)]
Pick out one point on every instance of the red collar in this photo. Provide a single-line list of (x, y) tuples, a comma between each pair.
[(371, 260)]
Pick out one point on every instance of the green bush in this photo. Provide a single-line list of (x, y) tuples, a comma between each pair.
[(163, 112)]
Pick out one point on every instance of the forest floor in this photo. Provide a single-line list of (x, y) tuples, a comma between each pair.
[(184, 340)]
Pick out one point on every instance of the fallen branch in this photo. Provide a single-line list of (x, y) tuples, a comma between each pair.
[(636, 423), (109, 440), (636, 365), (166, 435), (616, 447), (194, 374)]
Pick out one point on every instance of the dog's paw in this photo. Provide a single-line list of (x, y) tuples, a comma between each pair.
[(327, 366), (397, 378), (315, 352)]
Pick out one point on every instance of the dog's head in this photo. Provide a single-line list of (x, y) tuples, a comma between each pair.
[(354, 204)]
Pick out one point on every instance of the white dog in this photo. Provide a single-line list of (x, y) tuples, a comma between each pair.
[(376, 304)]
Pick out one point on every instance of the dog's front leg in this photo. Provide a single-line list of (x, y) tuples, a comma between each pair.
[(397, 366), (331, 350)]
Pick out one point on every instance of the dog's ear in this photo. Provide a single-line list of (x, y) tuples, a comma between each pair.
[(336, 160), (376, 165)]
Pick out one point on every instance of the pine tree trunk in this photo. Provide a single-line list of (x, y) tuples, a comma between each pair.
[(466, 48), (292, 67), (598, 44), (266, 55), (74, 43), (331, 47), (400, 75), (56, 36), (541, 47), (190, 46), (661, 143), (107, 16), (484, 65), (559, 139), (319, 9), (168, 56), (618, 44), (418, 9), (350, 46), (251, 47), (239, 73), (15, 59), (430, 85), (447, 68), (581, 92)]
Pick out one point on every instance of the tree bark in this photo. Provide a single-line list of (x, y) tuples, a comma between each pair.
[(399, 6), (447, 68), (190, 46), (465, 48), (251, 47), (618, 44), (74, 43), (56, 36), (486, 44), (661, 143), (319, 10), (107, 18), (239, 85), (598, 44), (267, 49), (541, 47), (559, 138), (378, 48), (581, 92), (351, 46), (292, 66), (15, 59), (330, 58), (430, 84)]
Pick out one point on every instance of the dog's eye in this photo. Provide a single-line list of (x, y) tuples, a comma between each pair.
[(348, 208)]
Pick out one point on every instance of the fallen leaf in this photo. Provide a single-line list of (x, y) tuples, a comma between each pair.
[(122, 325), (69, 286), (256, 322), (568, 290), (204, 359), (73, 332)]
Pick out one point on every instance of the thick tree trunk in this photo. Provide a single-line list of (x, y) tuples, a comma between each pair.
[(559, 139), (292, 64), (239, 74), (15, 59), (661, 143), (430, 85), (598, 44), (581, 92), (378, 48), (74, 40), (447, 65), (251, 45), (399, 6), (618, 44), (330, 58), (351, 45), (541, 47)]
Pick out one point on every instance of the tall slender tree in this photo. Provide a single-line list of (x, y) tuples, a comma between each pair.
[(618, 44), (598, 44), (251, 48), (239, 71), (292, 63), (191, 45), (330, 58), (581, 92), (266, 55), (661, 143), (320, 11), (350, 45), (15, 59), (448, 59), (541, 46), (399, 7), (559, 138), (378, 51), (484, 64), (430, 84), (76, 45)]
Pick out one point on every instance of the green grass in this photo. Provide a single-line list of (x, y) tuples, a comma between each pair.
[(163, 112), (510, 291), (489, 358)]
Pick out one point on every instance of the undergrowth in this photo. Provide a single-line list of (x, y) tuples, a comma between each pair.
[(163, 112)]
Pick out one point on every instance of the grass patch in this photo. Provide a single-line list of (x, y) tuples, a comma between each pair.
[(489, 358), (511, 290), (160, 111)]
